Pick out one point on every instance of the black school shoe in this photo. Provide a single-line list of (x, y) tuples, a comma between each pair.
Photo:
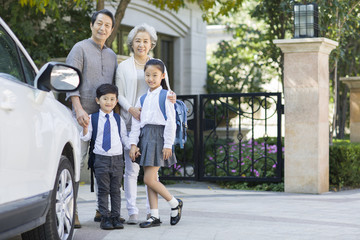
[(154, 223), (117, 224), (176, 219), (106, 223)]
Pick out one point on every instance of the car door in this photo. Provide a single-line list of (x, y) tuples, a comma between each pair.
[(22, 125)]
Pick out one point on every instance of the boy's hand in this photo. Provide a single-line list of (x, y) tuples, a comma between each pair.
[(85, 130), (134, 152), (167, 152)]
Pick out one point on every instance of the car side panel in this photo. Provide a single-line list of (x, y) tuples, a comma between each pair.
[(26, 141), (23, 215)]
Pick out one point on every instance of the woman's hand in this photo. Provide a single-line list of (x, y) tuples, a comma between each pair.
[(167, 152), (172, 97), (135, 112)]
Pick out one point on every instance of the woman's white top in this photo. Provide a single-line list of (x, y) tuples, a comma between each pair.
[(151, 114), (126, 79)]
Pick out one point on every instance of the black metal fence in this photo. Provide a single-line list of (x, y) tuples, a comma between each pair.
[(228, 139)]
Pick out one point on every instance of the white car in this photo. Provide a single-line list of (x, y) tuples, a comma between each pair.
[(39, 145)]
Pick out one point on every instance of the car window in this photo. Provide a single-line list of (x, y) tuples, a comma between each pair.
[(9, 61), (28, 70)]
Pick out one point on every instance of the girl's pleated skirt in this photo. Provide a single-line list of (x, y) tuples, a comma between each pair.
[(151, 143)]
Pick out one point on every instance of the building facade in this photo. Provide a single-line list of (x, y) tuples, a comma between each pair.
[(181, 42)]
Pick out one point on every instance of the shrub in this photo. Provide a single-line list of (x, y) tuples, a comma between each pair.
[(344, 163)]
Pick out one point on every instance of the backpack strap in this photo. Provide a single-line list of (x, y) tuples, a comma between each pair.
[(94, 124), (162, 99), (142, 99), (117, 118)]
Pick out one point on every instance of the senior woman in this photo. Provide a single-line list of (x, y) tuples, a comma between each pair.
[(130, 80)]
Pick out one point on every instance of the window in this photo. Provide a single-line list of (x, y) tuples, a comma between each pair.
[(9, 61), (28, 70)]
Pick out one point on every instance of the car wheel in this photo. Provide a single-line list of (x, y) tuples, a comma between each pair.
[(60, 218)]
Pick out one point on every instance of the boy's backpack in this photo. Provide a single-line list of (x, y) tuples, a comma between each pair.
[(94, 124), (181, 116)]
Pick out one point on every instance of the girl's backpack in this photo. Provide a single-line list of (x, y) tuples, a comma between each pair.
[(181, 116)]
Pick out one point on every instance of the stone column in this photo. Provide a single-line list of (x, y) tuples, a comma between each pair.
[(306, 92), (354, 84)]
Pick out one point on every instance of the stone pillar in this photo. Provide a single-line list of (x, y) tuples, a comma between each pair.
[(354, 84), (306, 92)]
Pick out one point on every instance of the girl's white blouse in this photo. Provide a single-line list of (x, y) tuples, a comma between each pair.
[(151, 114)]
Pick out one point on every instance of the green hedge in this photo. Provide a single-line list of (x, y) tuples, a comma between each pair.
[(344, 160)]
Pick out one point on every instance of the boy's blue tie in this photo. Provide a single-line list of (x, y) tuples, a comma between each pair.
[(106, 145)]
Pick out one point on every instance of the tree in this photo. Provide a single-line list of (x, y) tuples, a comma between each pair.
[(207, 6), (339, 20), (49, 35)]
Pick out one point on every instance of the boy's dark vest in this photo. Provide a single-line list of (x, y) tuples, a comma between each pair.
[(94, 124)]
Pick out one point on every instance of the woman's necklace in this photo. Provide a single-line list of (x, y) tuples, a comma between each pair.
[(147, 59)]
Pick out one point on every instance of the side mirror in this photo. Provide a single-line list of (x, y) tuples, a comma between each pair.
[(58, 77)]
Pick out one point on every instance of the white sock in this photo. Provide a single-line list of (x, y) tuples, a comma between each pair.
[(154, 213), (173, 204)]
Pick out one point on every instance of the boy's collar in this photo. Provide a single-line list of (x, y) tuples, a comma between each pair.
[(103, 114)]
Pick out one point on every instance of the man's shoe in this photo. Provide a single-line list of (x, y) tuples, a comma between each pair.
[(154, 223), (117, 223), (133, 219), (97, 217), (176, 219), (106, 224), (77, 222)]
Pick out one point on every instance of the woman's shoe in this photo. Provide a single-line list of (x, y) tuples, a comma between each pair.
[(154, 223), (176, 219)]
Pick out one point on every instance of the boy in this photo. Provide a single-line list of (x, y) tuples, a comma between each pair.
[(108, 141)]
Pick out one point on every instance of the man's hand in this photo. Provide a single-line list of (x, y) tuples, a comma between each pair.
[(82, 117)]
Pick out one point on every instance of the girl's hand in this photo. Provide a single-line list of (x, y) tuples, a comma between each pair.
[(172, 97), (135, 112), (134, 152), (167, 152)]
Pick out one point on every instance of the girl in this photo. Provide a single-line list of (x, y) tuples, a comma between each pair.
[(156, 139)]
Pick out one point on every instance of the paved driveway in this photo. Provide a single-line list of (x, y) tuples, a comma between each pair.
[(213, 213)]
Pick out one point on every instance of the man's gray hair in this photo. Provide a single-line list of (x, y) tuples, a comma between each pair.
[(142, 28)]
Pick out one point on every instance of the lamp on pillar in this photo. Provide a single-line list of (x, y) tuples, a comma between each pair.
[(306, 20)]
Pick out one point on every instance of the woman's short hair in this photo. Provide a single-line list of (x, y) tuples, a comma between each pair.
[(142, 28)]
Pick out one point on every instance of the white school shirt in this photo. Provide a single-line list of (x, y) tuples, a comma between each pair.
[(116, 145), (151, 114)]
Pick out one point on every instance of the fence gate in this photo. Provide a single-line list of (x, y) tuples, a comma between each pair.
[(231, 137)]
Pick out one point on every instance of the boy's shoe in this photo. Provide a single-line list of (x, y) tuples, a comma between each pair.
[(106, 223), (133, 219), (176, 219), (117, 223), (97, 217), (154, 222), (76, 221)]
